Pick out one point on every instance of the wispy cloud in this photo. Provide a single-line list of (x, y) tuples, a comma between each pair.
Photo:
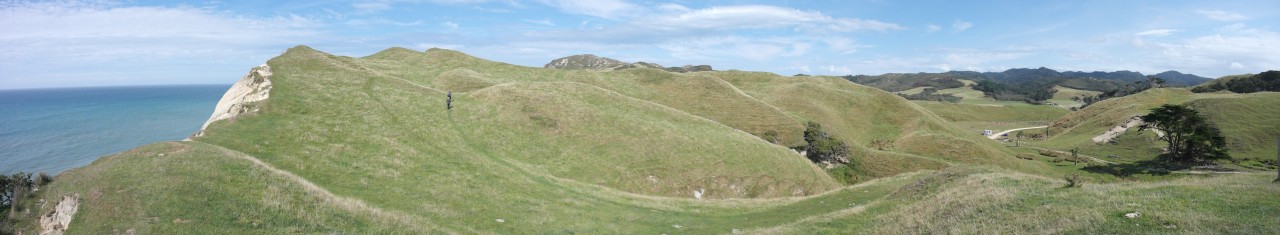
[(608, 9), (1156, 32), (762, 16), (43, 36), (959, 26), (546, 22), (375, 6), (381, 21), (1217, 52), (932, 28), (1222, 15)]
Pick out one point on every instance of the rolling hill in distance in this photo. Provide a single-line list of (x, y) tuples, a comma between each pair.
[(438, 141)]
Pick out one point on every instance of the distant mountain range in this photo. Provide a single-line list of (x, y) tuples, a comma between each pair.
[(594, 62), (1024, 77)]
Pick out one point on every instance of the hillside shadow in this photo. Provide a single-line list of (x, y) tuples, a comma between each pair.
[(1153, 167)]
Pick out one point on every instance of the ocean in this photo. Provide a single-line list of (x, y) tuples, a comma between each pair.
[(52, 130)]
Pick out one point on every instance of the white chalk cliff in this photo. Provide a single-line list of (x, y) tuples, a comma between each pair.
[(253, 87)]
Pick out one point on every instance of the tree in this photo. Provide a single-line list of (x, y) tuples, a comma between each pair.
[(821, 147), (1155, 82), (1189, 136), (12, 190)]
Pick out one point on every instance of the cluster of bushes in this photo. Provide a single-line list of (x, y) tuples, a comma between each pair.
[(1030, 93), (1128, 89), (1031, 135), (13, 189), (1026, 156), (944, 83), (929, 95), (1074, 157), (894, 82), (1265, 81), (821, 147)]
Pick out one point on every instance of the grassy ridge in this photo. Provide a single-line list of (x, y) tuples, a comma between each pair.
[(860, 115), (1078, 128), (183, 187), (1008, 113), (1249, 122)]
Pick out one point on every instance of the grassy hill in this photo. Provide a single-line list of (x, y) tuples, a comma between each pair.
[(1250, 122), (366, 145), (1063, 98), (977, 112), (1247, 120)]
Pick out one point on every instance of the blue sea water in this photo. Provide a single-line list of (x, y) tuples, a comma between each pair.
[(52, 130)]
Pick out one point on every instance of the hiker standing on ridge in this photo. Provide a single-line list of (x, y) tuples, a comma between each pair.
[(448, 102)]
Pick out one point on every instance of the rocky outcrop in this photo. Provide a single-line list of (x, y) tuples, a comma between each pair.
[(593, 62), (56, 221), (642, 64), (253, 87), (689, 68), (585, 61)]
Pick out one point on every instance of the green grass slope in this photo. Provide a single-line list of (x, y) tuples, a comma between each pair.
[(186, 187), (393, 124), (1078, 128), (860, 115), (1248, 121), (601, 137), (968, 200), (1063, 98), (701, 96), (1009, 113)]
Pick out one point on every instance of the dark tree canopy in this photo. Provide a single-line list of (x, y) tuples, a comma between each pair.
[(1190, 137), (1265, 81), (821, 147)]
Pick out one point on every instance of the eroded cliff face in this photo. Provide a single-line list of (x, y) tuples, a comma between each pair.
[(58, 220), (253, 87)]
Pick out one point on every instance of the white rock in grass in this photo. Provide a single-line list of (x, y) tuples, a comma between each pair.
[(1132, 215), (698, 194), (500, 220)]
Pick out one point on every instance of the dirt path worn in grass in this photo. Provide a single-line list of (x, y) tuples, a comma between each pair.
[(998, 134), (346, 203)]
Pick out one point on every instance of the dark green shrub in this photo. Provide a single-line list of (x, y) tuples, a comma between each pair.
[(821, 147), (771, 136), (1074, 180)]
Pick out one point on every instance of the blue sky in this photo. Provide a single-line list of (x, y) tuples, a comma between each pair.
[(118, 43)]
